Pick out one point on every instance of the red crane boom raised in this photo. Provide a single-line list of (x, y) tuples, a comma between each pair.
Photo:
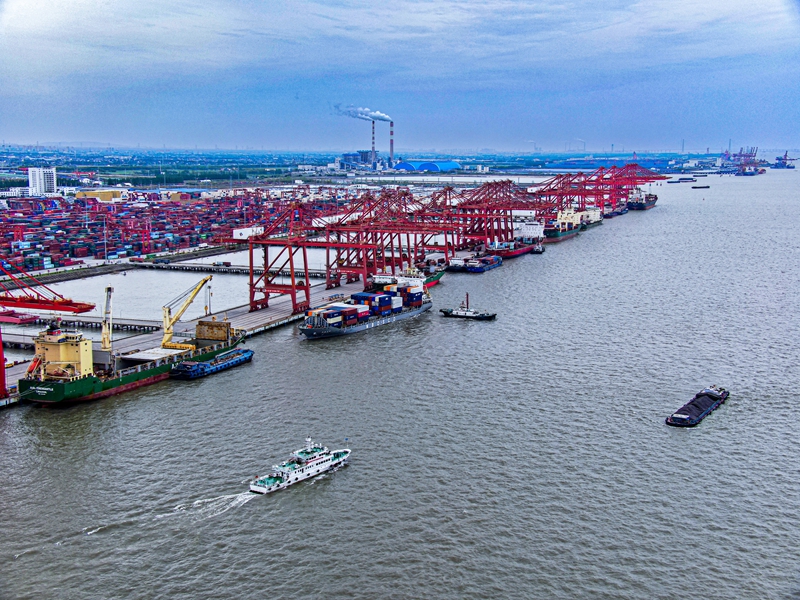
[(33, 294)]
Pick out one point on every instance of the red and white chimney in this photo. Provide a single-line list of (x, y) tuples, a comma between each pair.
[(373, 143), (391, 144)]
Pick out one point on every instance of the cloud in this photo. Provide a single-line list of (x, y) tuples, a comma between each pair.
[(468, 63), (415, 40)]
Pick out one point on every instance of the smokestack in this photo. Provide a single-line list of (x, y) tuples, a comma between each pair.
[(391, 144), (373, 144)]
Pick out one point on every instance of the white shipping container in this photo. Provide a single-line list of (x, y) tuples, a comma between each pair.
[(362, 309), (246, 232), (334, 319), (415, 290), (397, 301)]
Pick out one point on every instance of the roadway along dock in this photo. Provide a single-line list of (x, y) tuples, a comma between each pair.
[(230, 269)]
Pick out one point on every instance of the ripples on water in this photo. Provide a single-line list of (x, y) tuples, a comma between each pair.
[(525, 458)]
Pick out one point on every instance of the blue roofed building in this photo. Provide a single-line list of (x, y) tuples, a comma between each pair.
[(433, 166)]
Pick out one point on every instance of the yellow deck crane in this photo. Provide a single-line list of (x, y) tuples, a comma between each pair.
[(182, 302)]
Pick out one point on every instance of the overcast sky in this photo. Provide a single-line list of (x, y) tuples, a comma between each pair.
[(463, 74)]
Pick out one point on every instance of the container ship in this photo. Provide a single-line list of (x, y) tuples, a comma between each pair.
[(457, 264), (567, 224), (527, 239), (484, 263), (531, 233), (65, 368), (507, 250), (591, 217), (638, 200), (367, 310)]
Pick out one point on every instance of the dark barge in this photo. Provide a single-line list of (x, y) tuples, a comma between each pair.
[(699, 407)]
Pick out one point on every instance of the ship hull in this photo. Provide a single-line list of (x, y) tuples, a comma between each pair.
[(339, 460), (317, 333), (642, 205), (554, 235), (505, 253), (204, 369), (432, 280), (92, 387), (483, 268)]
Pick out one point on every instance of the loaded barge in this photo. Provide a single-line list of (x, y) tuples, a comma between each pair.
[(193, 369), (699, 407)]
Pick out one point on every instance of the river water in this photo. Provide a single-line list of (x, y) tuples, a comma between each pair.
[(523, 458)]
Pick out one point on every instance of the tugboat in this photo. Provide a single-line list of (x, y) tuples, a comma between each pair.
[(310, 461), (465, 312), (699, 407), (191, 369)]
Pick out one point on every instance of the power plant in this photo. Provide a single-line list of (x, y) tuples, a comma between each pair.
[(368, 160)]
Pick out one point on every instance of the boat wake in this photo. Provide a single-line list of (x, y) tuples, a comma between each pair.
[(198, 510), (211, 507), (95, 530)]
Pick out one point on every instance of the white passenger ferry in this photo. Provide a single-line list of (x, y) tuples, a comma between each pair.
[(307, 462)]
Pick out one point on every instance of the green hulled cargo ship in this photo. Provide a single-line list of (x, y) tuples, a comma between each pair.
[(66, 369)]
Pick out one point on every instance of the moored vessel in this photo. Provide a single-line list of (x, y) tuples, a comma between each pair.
[(591, 217), (431, 276), (192, 369), (431, 279), (638, 200), (507, 250), (698, 408), (15, 318), (366, 310), (66, 369), (567, 224), (481, 264), (531, 232), (309, 461), (457, 264)]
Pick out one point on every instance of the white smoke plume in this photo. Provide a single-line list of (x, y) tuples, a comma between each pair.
[(358, 112)]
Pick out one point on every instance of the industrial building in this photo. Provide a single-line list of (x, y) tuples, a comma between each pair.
[(41, 181), (433, 166)]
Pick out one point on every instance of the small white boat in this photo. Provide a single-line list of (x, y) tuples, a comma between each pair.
[(310, 461)]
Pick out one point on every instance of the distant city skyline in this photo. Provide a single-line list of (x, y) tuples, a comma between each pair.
[(462, 76)]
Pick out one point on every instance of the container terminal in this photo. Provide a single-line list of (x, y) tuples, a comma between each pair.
[(364, 233)]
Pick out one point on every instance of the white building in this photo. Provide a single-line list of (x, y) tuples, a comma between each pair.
[(41, 181)]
